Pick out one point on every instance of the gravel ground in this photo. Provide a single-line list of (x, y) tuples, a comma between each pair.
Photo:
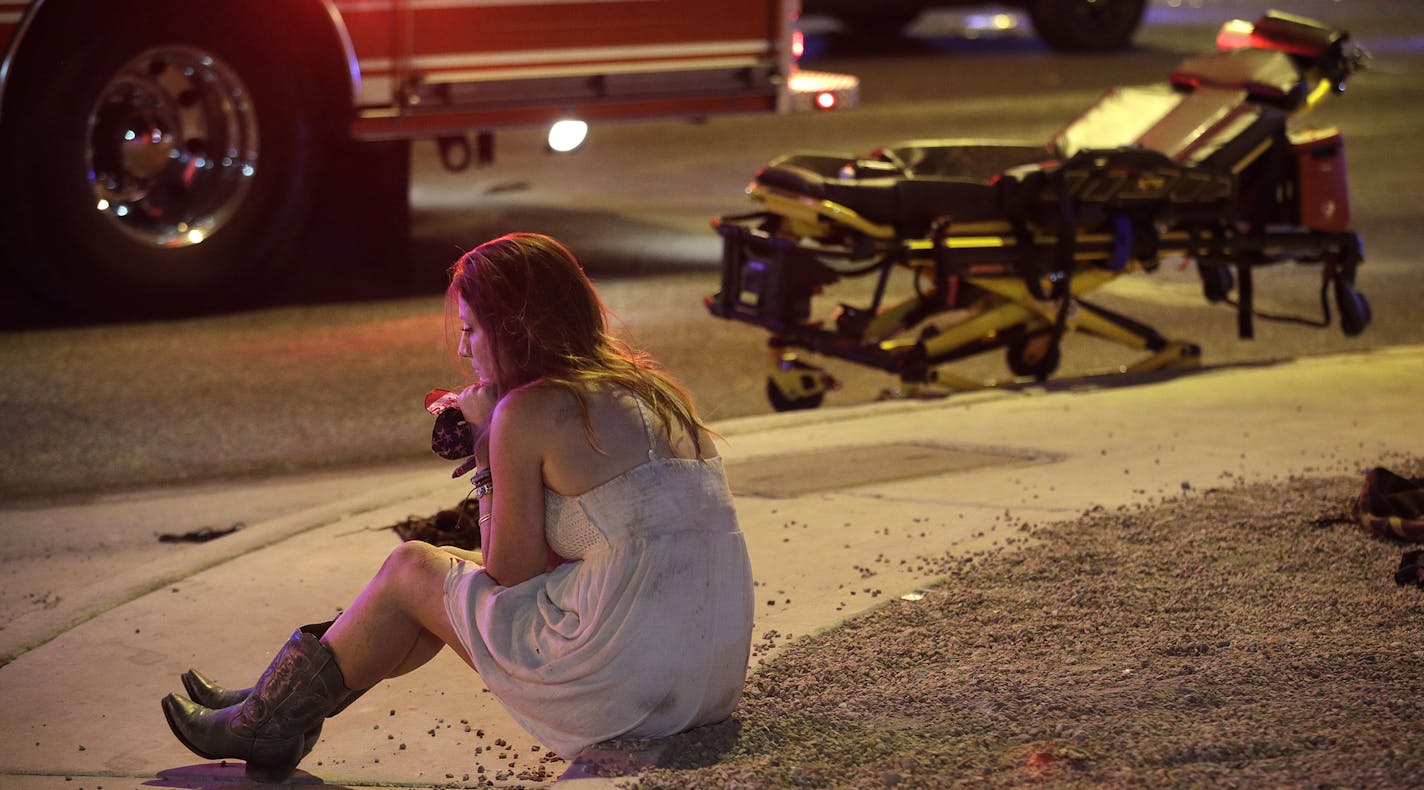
[(1243, 637)]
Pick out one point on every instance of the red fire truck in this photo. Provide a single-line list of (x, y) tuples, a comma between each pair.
[(170, 151)]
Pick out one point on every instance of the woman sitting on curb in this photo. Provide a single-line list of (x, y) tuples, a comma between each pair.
[(612, 596)]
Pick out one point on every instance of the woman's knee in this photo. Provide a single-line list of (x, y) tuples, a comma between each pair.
[(414, 577), (415, 561)]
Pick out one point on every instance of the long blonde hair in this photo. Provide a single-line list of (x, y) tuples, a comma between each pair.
[(546, 323)]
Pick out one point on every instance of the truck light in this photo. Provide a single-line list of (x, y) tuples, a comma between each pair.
[(566, 135), (822, 91)]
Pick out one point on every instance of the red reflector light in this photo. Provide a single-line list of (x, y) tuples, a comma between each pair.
[(825, 100), (798, 44)]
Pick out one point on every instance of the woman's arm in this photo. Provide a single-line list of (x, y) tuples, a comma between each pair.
[(513, 544)]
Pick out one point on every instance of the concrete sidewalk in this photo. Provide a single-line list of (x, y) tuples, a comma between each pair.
[(843, 509)]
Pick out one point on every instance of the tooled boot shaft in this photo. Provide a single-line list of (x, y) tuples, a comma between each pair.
[(300, 686), (211, 695)]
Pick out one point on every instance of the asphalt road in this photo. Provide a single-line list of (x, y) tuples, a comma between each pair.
[(333, 376)]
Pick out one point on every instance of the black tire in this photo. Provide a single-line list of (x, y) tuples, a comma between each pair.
[(1086, 25), (168, 160), (1034, 355), (1355, 313), (887, 23), (781, 402)]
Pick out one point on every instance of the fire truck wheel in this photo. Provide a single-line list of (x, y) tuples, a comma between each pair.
[(1086, 25), (168, 158)]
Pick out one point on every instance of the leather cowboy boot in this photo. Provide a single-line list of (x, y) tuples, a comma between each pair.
[(268, 730), (211, 695)]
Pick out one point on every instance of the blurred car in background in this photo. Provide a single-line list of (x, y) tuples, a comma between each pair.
[(1067, 25)]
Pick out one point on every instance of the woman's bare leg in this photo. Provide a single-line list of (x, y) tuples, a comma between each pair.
[(394, 625), (427, 646)]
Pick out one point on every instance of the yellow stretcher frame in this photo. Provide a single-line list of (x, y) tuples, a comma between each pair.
[(1008, 305), (813, 218)]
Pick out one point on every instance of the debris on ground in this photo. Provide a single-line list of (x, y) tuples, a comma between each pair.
[(454, 527), (202, 535)]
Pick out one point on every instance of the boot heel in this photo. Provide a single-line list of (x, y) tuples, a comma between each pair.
[(276, 767)]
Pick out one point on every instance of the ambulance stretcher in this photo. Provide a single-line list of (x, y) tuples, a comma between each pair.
[(1003, 241)]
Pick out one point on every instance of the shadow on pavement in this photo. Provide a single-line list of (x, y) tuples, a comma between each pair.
[(209, 776)]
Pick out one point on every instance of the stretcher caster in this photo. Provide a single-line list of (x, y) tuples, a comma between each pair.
[(1035, 354), (1354, 308), (795, 385)]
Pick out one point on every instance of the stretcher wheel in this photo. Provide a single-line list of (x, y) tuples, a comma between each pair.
[(1035, 354), (1354, 308), (783, 402), (795, 385)]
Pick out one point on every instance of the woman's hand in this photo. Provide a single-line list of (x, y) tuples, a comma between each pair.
[(477, 404)]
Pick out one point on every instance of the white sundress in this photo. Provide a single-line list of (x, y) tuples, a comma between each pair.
[(646, 633)]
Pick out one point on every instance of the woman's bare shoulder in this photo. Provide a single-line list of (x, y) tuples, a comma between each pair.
[(539, 407)]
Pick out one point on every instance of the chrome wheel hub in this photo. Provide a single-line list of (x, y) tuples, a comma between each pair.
[(171, 146)]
